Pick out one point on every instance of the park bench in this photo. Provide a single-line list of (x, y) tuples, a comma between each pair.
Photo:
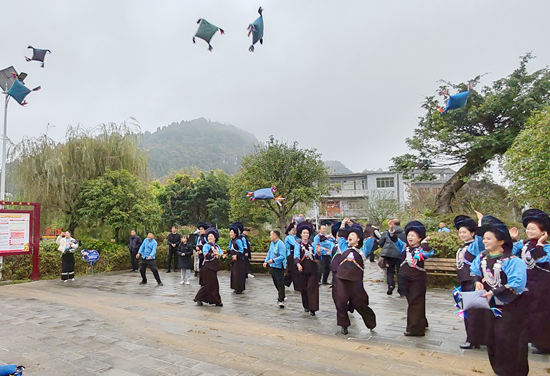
[(440, 266), (258, 258)]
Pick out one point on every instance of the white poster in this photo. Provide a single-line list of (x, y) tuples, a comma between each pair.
[(14, 232)]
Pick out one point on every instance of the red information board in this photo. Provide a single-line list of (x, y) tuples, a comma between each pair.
[(20, 232)]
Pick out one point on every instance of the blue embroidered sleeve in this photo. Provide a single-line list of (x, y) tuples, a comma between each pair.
[(516, 272), (475, 268), (518, 246)]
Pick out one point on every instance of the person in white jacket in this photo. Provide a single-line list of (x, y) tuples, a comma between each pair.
[(67, 247)]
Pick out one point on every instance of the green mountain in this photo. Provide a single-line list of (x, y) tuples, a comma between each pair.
[(197, 143), (337, 167)]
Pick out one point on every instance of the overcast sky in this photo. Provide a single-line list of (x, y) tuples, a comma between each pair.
[(345, 77)]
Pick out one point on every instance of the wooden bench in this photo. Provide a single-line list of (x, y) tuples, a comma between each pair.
[(258, 258), (440, 266)]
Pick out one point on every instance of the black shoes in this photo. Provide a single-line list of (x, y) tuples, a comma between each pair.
[(312, 313), (390, 290), (143, 283), (160, 284), (219, 304), (409, 334), (199, 303), (344, 330), (306, 310), (168, 271)]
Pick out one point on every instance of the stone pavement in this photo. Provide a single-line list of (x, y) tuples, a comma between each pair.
[(106, 324)]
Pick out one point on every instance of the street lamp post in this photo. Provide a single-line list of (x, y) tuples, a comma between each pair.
[(6, 81)]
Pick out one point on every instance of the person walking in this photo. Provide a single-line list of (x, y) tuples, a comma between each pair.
[(323, 245), (185, 251), (133, 246), (174, 240), (392, 256), (210, 291), (67, 247), (276, 260), (201, 241), (305, 260), (148, 251)]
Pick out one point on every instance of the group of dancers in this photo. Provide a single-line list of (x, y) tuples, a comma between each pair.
[(515, 275)]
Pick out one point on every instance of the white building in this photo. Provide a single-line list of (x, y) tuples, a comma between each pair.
[(348, 192)]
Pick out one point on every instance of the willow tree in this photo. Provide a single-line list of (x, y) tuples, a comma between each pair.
[(299, 174), (473, 136), (52, 173)]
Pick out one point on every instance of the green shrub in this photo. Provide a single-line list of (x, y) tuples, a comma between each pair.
[(445, 244)]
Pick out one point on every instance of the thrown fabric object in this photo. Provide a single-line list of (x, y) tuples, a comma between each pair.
[(38, 55), (18, 91), (206, 31), (265, 194), (256, 28), (11, 370), (455, 101)]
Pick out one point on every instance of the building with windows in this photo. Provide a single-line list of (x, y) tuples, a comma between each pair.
[(348, 192)]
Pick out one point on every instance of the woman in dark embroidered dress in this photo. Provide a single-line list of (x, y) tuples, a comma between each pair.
[(239, 267), (305, 260), (210, 290), (535, 252), (504, 277)]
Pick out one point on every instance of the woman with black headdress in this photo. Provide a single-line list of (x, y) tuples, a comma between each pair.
[(210, 290), (535, 252), (201, 241), (350, 289), (412, 274), (239, 268), (305, 260), (472, 246), (292, 276), (504, 277)]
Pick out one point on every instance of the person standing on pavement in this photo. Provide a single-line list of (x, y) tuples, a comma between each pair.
[(323, 245), (247, 251), (392, 256), (67, 247), (174, 240), (276, 259), (305, 260), (201, 241), (133, 246), (239, 268), (210, 291), (370, 243), (148, 252), (292, 276), (185, 251)]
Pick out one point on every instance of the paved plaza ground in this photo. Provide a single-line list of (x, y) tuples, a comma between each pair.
[(106, 324)]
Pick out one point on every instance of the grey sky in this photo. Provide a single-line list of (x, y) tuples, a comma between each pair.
[(346, 77)]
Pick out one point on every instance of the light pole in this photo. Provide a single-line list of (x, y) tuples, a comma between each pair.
[(6, 81)]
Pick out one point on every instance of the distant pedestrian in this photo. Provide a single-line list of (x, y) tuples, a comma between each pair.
[(133, 246), (174, 240), (276, 259), (148, 252), (392, 256), (238, 263), (443, 227), (247, 251), (67, 247), (185, 250), (370, 243), (292, 276), (201, 241), (323, 245)]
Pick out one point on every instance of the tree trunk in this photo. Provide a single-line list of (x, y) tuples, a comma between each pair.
[(452, 186)]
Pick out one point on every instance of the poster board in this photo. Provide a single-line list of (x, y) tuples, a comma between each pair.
[(15, 232)]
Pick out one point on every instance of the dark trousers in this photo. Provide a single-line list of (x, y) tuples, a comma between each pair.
[(416, 299), (172, 255), (67, 266), (371, 256), (324, 268), (134, 260), (278, 276), (391, 270), (310, 285), (509, 351), (352, 294), (152, 264)]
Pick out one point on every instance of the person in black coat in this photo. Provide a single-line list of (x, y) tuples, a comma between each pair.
[(133, 246), (174, 240), (185, 251)]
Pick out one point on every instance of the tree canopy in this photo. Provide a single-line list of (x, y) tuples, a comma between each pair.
[(299, 174), (118, 200), (526, 162), (43, 170), (186, 201), (471, 137)]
